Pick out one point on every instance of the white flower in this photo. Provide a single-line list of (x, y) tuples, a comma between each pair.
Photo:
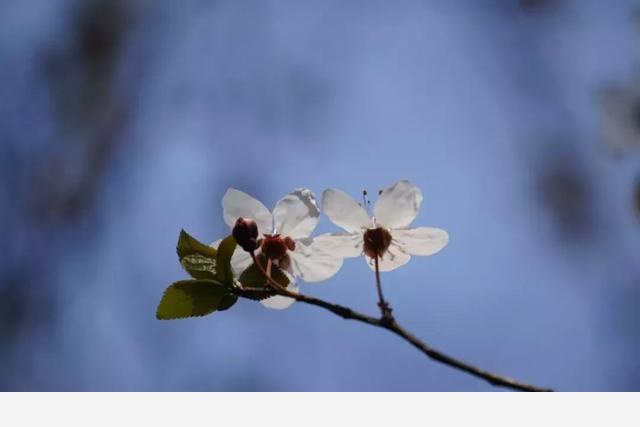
[(385, 233), (285, 233)]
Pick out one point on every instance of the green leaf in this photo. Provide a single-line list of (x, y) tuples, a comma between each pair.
[(255, 284), (253, 277), (198, 259), (189, 298), (223, 261), (227, 302)]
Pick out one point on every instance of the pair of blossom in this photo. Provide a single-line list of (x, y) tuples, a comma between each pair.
[(285, 236)]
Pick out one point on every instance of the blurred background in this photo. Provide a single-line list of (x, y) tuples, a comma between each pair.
[(123, 121)]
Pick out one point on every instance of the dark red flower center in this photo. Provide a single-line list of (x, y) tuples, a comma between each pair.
[(376, 242), (275, 247)]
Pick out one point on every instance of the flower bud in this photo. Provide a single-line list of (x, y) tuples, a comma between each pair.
[(246, 234)]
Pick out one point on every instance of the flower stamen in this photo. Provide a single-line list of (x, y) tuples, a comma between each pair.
[(366, 203)]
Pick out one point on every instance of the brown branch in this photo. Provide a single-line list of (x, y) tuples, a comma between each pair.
[(390, 324)]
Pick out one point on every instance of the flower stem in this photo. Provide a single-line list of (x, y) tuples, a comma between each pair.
[(385, 309), (267, 274), (392, 326), (268, 268)]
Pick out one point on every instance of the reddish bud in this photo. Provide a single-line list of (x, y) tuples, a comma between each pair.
[(246, 234)]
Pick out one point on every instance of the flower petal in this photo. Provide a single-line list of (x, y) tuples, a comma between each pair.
[(279, 302), (296, 214), (343, 211), (394, 257), (420, 240), (236, 204), (398, 205), (310, 263), (346, 245), (240, 259)]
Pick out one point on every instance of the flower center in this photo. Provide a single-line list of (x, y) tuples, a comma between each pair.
[(275, 247), (376, 242)]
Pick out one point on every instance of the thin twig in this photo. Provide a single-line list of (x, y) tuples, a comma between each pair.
[(385, 309), (392, 326)]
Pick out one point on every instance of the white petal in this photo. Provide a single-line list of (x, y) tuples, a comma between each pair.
[(236, 204), (279, 302), (240, 259), (343, 211), (420, 240), (346, 245), (312, 264), (296, 214), (394, 257), (398, 205)]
